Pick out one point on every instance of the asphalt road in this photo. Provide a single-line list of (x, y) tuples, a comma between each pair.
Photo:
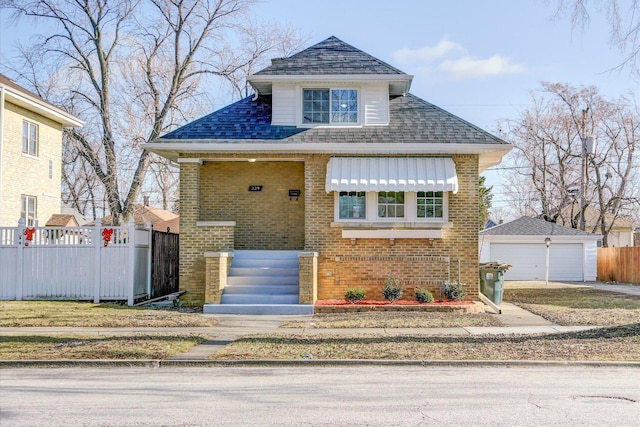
[(317, 396)]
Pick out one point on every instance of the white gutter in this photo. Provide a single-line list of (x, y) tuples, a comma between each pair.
[(1, 143)]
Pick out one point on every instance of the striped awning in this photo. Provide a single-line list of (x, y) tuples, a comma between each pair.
[(391, 174)]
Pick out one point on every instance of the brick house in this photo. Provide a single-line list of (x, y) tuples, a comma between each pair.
[(30, 155), (334, 161)]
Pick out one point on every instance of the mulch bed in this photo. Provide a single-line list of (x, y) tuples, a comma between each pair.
[(343, 306)]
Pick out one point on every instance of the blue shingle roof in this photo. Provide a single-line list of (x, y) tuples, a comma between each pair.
[(245, 119), (412, 120)]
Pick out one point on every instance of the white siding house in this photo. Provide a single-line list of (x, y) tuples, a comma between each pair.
[(521, 243)]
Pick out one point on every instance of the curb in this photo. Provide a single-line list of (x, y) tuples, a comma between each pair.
[(147, 363)]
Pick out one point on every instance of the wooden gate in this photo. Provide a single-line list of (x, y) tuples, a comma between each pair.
[(165, 263)]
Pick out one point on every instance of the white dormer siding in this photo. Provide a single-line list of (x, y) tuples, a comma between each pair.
[(372, 111), (376, 105), (284, 105)]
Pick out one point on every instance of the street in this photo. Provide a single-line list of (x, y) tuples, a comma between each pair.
[(319, 396)]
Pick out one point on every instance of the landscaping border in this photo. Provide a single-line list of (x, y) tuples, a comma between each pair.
[(472, 307)]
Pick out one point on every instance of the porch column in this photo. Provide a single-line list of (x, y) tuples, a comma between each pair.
[(217, 271), (308, 278)]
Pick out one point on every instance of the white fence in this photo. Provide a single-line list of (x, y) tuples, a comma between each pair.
[(75, 263)]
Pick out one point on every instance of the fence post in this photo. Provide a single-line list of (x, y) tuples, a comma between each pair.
[(18, 240), (149, 256), (132, 256), (96, 241)]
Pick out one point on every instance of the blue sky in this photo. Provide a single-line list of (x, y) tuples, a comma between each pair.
[(476, 59)]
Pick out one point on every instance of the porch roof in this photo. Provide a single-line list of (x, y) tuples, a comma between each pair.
[(391, 174)]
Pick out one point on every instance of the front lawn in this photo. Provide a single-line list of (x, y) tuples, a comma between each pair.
[(621, 343), (577, 306), (87, 314), (37, 347), (391, 319)]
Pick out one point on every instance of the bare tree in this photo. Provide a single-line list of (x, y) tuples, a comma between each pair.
[(134, 69), (624, 21), (547, 160)]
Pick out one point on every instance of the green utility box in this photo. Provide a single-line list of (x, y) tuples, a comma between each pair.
[(492, 281)]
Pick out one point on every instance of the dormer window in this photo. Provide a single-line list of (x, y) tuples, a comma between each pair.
[(330, 106)]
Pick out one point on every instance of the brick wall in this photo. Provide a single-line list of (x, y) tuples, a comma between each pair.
[(341, 264), (266, 219), (28, 175), (196, 240), (416, 262)]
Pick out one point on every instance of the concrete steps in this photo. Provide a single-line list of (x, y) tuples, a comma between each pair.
[(261, 282)]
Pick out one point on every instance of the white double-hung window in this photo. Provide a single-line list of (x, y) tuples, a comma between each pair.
[(329, 106), (29, 138)]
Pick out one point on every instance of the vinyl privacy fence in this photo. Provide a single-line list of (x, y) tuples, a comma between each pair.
[(75, 263)]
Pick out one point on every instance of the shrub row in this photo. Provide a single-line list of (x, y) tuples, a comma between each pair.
[(393, 291)]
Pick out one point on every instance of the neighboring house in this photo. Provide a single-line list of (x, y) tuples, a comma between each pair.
[(521, 243), (62, 220), (144, 214), (334, 160), (621, 233), (80, 219), (30, 155), (169, 226)]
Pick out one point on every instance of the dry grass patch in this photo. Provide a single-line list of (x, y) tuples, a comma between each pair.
[(86, 314), (390, 319), (578, 306), (158, 346), (620, 343)]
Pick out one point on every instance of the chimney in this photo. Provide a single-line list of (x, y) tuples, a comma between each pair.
[(274, 61), (146, 201)]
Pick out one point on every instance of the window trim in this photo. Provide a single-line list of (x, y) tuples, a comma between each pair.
[(410, 210), (330, 88), (30, 125), (24, 209)]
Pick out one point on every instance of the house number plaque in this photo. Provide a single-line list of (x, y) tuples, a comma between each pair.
[(255, 188)]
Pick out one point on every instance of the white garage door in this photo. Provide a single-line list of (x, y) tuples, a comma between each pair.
[(528, 260)]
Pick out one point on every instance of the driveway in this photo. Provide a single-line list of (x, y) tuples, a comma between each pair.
[(622, 288)]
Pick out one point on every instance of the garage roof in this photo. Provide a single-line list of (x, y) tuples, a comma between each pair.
[(527, 226)]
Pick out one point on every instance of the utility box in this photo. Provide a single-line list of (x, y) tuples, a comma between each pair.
[(492, 281)]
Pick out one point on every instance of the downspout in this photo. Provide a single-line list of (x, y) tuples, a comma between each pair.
[(1, 143)]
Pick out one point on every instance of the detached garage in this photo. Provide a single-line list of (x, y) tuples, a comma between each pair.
[(521, 243)]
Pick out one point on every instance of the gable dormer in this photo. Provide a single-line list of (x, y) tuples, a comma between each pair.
[(330, 84)]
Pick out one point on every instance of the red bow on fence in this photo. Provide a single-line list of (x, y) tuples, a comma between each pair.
[(106, 235), (29, 232)]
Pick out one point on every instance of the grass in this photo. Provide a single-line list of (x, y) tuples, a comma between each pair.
[(620, 343), (36, 347), (617, 338), (86, 314), (578, 306), (392, 319)]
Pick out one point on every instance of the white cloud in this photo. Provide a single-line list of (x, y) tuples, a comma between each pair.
[(427, 54), (451, 59), (469, 67)]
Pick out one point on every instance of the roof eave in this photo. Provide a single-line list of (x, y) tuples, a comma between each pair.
[(490, 154), (536, 238), (399, 84), (43, 108)]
